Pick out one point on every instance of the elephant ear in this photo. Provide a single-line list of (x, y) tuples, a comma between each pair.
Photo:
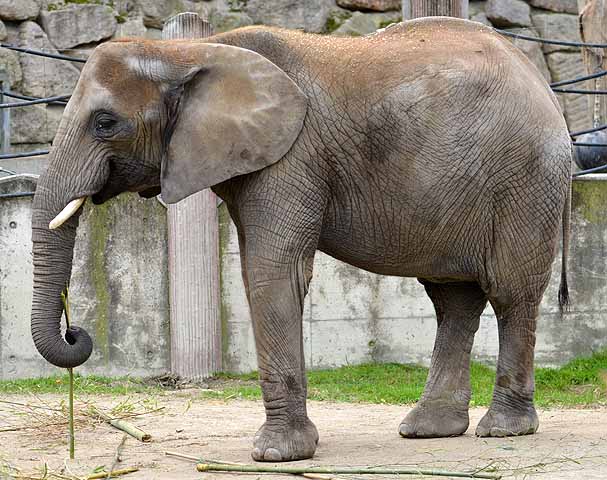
[(237, 113)]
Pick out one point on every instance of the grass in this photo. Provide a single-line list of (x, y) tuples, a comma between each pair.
[(581, 382)]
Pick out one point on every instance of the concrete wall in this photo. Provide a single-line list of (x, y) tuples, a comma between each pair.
[(119, 294), (118, 289), (353, 316)]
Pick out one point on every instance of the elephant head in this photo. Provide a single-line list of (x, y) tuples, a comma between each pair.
[(175, 116)]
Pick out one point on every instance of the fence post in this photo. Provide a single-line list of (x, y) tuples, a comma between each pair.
[(193, 260), (432, 8), (5, 115), (593, 29)]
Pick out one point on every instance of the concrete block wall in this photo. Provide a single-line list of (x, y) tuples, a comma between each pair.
[(118, 289), (352, 316)]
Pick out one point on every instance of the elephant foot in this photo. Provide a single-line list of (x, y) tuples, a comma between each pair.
[(283, 443), (506, 423), (435, 418)]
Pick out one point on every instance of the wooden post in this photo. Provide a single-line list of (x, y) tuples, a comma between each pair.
[(193, 260), (593, 29), (432, 8)]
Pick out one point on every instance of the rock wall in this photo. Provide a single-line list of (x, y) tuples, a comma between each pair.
[(75, 27)]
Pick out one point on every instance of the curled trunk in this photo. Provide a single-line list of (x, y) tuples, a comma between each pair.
[(52, 258)]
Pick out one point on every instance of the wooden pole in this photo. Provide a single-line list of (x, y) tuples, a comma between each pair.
[(433, 8), (193, 260), (593, 29)]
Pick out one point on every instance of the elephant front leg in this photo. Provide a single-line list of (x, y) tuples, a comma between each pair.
[(276, 294), (443, 409)]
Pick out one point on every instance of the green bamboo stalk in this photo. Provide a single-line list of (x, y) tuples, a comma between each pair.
[(123, 425), (213, 467), (113, 473), (72, 438)]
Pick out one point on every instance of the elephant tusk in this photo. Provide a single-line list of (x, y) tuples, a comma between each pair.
[(66, 213)]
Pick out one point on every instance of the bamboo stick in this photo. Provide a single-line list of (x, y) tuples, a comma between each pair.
[(71, 436), (123, 425), (213, 467), (113, 473)]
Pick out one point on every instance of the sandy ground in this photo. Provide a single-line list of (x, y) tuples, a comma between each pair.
[(571, 444)]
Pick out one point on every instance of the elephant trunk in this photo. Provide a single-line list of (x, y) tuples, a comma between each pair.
[(52, 259)]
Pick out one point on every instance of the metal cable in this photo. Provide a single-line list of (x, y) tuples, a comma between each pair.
[(56, 56), (35, 101), (590, 130), (590, 170), (581, 92), (23, 154), (602, 73), (584, 144), (26, 97), (17, 194), (551, 42)]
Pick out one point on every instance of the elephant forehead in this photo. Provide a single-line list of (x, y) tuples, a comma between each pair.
[(111, 77)]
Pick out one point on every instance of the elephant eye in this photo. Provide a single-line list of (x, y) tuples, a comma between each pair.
[(104, 124)]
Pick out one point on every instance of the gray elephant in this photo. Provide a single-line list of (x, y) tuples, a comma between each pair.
[(431, 149)]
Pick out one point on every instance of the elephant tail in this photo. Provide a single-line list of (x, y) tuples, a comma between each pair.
[(563, 288)]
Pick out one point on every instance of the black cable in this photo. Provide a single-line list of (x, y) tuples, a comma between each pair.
[(590, 130), (581, 92), (27, 97), (34, 101), (6, 170), (590, 170), (42, 54), (551, 42), (23, 154), (602, 73), (17, 194), (584, 144)]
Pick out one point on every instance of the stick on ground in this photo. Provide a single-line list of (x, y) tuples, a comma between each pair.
[(123, 425), (212, 467)]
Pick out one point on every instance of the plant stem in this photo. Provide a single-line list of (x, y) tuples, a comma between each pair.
[(212, 467), (71, 415), (113, 473), (123, 425)]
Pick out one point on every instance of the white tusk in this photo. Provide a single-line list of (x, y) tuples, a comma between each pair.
[(66, 213)]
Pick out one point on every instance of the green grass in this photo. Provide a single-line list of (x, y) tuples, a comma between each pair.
[(581, 382), (89, 385)]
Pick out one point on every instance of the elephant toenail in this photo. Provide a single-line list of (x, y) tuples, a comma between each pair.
[(272, 455), (256, 454)]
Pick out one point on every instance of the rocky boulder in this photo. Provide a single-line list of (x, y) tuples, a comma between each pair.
[(372, 5), (17, 10), (76, 24), (43, 77), (562, 6), (508, 13), (311, 15), (557, 26)]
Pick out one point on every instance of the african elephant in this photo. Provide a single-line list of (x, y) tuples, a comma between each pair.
[(431, 149)]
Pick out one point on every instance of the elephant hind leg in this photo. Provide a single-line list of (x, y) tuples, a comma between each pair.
[(512, 411), (443, 408)]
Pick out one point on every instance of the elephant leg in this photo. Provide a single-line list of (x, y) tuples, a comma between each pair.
[(512, 411), (442, 410), (277, 279)]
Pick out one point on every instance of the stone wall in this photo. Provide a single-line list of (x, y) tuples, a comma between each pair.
[(75, 27)]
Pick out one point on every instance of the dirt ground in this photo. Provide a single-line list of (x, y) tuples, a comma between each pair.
[(571, 444)]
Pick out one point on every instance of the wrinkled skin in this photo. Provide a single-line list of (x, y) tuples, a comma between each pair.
[(433, 149)]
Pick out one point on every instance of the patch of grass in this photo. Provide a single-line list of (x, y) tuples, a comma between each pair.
[(90, 385), (581, 382)]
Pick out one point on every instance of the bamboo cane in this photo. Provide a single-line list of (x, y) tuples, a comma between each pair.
[(113, 473), (213, 467), (123, 425), (72, 438)]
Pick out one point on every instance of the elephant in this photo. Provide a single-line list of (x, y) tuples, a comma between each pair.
[(431, 149)]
